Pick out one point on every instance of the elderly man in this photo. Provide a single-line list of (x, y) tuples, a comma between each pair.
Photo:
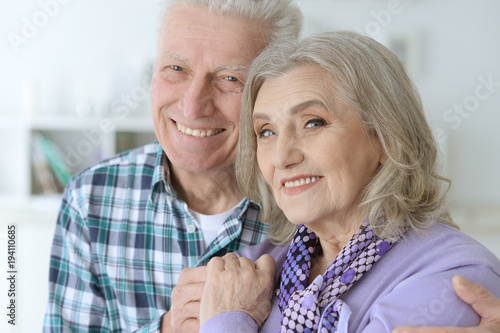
[(130, 224)]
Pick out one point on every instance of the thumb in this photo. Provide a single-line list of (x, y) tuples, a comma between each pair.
[(482, 301), (267, 264)]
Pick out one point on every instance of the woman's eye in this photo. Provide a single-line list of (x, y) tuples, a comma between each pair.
[(315, 122), (265, 133), (231, 78)]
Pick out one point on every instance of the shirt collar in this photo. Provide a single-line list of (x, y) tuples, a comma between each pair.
[(161, 175)]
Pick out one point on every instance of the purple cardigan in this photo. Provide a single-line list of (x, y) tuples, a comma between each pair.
[(410, 285)]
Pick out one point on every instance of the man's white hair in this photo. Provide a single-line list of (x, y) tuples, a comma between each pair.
[(282, 17)]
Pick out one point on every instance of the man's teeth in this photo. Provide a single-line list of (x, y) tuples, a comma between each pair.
[(301, 181), (196, 132)]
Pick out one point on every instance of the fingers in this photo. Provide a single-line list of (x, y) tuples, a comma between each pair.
[(186, 298), (182, 295), (238, 284), (215, 266), (192, 275), (231, 262), (481, 300), (267, 264), (165, 323)]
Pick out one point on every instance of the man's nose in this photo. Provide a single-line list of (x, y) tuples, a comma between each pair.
[(197, 100)]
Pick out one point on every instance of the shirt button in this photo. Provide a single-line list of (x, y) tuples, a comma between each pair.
[(191, 228)]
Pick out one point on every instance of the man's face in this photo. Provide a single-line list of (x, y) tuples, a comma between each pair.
[(197, 84)]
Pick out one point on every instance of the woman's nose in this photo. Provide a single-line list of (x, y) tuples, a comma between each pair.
[(288, 152)]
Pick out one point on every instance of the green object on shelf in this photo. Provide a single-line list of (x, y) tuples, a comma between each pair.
[(55, 159)]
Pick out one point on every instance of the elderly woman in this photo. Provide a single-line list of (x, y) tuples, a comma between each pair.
[(335, 141)]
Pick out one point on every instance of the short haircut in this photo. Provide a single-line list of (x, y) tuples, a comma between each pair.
[(283, 18), (407, 189)]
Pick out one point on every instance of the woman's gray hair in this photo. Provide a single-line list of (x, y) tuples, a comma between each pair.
[(282, 17), (407, 188)]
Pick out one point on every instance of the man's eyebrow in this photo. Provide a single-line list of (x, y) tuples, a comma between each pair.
[(174, 56), (232, 67), (219, 68)]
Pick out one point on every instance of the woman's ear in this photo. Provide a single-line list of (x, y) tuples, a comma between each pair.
[(383, 157)]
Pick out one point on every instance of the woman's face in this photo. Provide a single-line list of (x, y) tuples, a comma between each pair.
[(312, 149)]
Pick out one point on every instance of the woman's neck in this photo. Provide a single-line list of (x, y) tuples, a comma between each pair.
[(331, 242)]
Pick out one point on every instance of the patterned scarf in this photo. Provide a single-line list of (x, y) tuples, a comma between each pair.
[(303, 306)]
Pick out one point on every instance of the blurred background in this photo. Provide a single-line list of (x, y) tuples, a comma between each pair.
[(75, 89)]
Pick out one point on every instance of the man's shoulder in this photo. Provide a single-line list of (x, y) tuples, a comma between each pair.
[(114, 177), (137, 161)]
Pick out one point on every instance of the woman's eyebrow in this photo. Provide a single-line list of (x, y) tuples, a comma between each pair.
[(304, 105), (259, 115), (294, 109)]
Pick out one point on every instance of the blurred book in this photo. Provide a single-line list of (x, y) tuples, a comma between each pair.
[(48, 165), (41, 170)]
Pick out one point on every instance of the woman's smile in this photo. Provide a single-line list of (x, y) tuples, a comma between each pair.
[(299, 184)]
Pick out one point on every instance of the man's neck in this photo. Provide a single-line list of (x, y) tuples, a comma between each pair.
[(207, 193)]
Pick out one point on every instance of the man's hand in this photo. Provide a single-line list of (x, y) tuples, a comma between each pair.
[(238, 285), (481, 300), (184, 313)]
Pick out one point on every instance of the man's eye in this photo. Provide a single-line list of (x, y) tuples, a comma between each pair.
[(176, 68), (265, 133), (229, 84), (315, 122)]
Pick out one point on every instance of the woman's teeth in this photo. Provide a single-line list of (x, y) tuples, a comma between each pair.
[(302, 181), (197, 132)]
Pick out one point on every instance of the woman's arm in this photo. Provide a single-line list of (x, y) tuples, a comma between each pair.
[(481, 300)]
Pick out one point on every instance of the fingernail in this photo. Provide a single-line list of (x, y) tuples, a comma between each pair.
[(463, 282)]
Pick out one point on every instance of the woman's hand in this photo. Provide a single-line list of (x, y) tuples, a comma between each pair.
[(238, 285)]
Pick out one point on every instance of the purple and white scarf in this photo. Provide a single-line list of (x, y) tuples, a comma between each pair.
[(303, 305)]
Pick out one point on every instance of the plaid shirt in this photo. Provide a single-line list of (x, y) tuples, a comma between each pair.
[(121, 240)]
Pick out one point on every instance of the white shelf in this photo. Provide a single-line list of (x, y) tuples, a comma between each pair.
[(82, 142)]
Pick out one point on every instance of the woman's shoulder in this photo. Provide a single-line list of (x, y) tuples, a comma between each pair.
[(411, 284), (442, 245)]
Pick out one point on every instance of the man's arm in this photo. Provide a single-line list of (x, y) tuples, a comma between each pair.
[(77, 299), (481, 300)]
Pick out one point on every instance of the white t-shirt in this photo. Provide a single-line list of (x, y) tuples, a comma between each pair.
[(210, 224)]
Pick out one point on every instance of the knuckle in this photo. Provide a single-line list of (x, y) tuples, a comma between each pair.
[(185, 272), (230, 255), (214, 261)]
